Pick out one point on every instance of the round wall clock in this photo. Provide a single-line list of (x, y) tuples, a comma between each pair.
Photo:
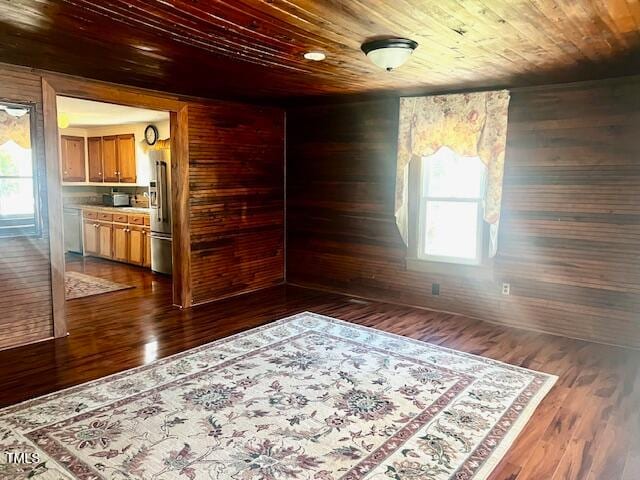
[(151, 134)]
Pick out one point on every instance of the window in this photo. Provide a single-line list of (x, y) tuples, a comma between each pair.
[(18, 211), (450, 208)]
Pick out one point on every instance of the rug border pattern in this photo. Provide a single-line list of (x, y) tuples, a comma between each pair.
[(477, 466)]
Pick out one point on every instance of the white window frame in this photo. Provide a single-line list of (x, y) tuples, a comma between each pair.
[(424, 198), (19, 225)]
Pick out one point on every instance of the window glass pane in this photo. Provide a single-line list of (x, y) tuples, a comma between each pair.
[(447, 174), (451, 229), (15, 160), (16, 197)]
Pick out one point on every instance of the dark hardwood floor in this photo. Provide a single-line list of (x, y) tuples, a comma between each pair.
[(586, 428)]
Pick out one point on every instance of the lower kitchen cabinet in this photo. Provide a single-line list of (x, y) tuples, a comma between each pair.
[(98, 239), (121, 242), (124, 242), (105, 240), (136, 245), (91, 239)]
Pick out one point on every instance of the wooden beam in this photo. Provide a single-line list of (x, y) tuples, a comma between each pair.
[(54, 202), (180, 207), (77, 87)]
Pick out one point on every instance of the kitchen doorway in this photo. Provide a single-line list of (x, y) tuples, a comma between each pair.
[(116, 167), (115, 164)]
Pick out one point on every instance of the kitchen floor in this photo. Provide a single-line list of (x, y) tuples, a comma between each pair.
[(149, 287)]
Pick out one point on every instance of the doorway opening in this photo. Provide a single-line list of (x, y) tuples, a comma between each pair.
[(115, 171)]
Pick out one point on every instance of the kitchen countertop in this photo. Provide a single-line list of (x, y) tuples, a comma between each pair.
[(105, 208)]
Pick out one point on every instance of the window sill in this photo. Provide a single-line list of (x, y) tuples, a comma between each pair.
[(478, 272)]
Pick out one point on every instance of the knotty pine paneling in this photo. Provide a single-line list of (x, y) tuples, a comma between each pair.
[(25, 275), (570, 231), (256, 47), (236, 183)]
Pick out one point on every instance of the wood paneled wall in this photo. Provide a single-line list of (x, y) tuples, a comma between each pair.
[(236, 183), (25, 275), (235, 202), (570, 231)]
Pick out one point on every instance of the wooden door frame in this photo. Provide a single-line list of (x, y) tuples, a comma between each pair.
[(54, 85)]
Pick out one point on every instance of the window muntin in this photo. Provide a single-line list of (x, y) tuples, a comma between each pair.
[(18, 205), (451, 208)]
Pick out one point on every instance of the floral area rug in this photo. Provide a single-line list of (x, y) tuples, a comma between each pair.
[(307, 397), (77, 285)]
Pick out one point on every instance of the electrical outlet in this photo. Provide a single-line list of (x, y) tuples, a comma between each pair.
[(506, 289), (435, 289)]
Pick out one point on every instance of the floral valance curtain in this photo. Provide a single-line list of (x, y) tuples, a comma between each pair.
[(163, 144), (472, 125), (17, 129)]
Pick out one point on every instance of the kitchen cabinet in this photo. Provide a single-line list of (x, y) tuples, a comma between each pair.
[(90, 234), (73, 158), (94, 153), (136, 245), (110, 159), (105, 240), (121, 242), (126, 158), (118, 236), (119, 158), (97, 238)]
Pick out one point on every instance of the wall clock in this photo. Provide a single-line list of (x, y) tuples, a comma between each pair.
[(151, 134)]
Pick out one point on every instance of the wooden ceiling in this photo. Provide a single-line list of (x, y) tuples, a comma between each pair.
[(254, 48)]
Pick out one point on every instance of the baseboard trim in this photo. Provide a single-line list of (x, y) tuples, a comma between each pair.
[(428, 309)]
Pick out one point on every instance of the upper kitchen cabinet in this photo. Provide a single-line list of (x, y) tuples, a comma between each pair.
[(112, 159), (94, 152), (126, 158), (117, 142), (72, 154)]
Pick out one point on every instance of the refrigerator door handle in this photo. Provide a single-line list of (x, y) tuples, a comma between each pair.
[(159, 192), (163, 188)]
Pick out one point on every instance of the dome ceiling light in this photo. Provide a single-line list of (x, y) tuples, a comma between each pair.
[(389, 53), (315, 56)]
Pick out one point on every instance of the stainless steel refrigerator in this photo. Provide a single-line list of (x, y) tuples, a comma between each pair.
[(160, 205)]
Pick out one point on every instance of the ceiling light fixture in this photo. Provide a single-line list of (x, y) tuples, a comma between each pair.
[(63, 120), (315, 56), (389, 53)]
